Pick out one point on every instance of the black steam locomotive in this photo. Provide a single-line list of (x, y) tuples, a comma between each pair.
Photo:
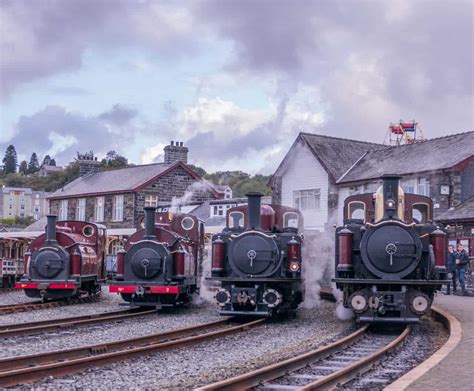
[(158, 266), (390, 258), (257, 260)]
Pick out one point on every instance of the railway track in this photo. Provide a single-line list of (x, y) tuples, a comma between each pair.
[(38, 304), (12, 330), (322, 368), (29, 368)]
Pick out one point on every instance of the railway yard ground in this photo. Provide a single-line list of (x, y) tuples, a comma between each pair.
[(203, 363)]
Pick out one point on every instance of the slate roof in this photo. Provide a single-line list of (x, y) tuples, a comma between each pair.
[(123, 180), (431, 155), (464, 211), (336, 154)]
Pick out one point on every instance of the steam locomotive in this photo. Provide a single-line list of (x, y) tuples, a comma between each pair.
[(158, 266), (390, 257), (65, 261), (257, 260)]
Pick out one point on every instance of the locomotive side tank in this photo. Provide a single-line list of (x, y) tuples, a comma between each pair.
[(390, 257), (65, 261), (257, 260), (159, 263)]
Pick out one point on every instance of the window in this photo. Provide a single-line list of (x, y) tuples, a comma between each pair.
[(151, 200), (63, 210), (423, 187), (290, 220), (118, 208), (81, 209), (99, 209), (420, 213), (307, 199), (356, 210), (37, 202), (236, 220), (218, 210), (22, 206)]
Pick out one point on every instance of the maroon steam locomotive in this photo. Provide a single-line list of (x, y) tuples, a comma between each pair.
[(257, 260), (390, 257), (66, 261), (158, 266)]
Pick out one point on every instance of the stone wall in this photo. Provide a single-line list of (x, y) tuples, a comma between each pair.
[(171, 185)]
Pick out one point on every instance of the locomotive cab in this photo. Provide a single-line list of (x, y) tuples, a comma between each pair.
[(389, 262)]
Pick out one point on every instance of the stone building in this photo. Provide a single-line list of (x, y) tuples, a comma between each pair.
[(319, 172), (117, 198)]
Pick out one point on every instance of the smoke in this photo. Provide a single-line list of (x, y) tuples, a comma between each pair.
[(318, 262), (342, 312), (198, 188), (205, 292)]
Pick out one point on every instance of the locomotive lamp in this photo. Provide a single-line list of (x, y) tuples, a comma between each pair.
[(294, 255)]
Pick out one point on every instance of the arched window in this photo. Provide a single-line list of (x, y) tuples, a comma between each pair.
[(236, 220), (420, 213), (356, 210), (290, 220)]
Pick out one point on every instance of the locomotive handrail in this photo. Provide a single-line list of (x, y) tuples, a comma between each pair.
[(233, 236), (391, 221)]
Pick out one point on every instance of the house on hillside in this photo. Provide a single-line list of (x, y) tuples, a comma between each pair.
[(117, 198)]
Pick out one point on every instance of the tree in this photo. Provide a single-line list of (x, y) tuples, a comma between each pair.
[(33, 165), (114, 160), (10, 160), (47, 160), (23, 170), (53, 162), (198, 170)]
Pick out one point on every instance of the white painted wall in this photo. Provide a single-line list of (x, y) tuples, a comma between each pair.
[(304, 172)]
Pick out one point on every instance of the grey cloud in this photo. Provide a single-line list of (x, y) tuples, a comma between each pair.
[(42, 38), (421, 55), (119, 115), (40, 132)]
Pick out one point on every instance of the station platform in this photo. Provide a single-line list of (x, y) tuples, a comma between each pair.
[(455, 370)]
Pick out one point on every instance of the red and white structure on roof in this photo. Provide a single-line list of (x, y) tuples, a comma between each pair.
[(403, 132)]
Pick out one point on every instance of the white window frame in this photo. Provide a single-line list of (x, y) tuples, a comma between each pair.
[(81, 209), (151, 200), (349, 214), (285, 222), (307, 199), (423, 187), (63, 205), (118, 208), (99, 209)]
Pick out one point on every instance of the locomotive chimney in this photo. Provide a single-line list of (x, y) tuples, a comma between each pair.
[(51, 229), (149, 223), (390, 196), (254, 204)]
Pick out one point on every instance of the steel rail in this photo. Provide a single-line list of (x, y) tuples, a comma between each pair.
[(280, 369), (348, 373), (36, 305), (10, 330), (274, 371), (27, 369)]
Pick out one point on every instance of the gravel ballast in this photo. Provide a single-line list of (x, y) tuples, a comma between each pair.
[(190, 367)]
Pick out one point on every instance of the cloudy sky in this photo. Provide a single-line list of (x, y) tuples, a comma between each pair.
[(235, 80)]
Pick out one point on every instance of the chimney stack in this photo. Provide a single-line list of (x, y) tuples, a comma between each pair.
[(88, 164), (176, 152)]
